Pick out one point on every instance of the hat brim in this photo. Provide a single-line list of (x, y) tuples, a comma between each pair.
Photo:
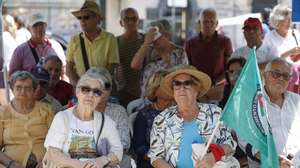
[(78, 12), (203, 78)]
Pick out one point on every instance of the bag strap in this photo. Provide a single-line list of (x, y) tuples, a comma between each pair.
[(83, 52), (101, 128), (34, 53)]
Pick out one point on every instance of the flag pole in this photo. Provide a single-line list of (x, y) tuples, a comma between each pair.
[(210, 139)]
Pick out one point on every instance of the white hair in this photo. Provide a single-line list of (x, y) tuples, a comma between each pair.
[(279, 13), (279, 60)]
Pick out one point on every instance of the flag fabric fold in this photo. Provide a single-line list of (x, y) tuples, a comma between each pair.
[(245, 113)]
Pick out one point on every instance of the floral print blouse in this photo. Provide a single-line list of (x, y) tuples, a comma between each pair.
[(167, 128)]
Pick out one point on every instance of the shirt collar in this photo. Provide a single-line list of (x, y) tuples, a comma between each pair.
[(34, 45), (200, 36)]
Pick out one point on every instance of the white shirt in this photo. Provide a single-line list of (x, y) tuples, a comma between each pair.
[(58, 134), (285, 123), (282, 44), (264, 53)]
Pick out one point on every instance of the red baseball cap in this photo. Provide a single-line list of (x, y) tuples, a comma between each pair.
[(253, 22)]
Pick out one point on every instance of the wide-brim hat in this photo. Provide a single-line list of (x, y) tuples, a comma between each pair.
[(201, 77), (88, 6)]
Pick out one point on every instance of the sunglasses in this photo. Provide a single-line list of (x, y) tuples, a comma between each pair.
[(86, 90), (277, 75), (186, 84), (85, 17)]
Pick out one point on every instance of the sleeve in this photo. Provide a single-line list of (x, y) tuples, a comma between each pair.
[(157, 136), (123, 128), (70, 50), (139, 142), (113, 53), (15, 62), (228, 48), (187, 50), (223, 133), (183, 57), (57, 133), (111, 133), (2, 112)]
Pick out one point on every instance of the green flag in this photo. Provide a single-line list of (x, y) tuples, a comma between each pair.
[(245, 113)]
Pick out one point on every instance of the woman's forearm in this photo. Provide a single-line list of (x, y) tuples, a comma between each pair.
[(138, 59), (60, 159), (227, 149), (160, 163)]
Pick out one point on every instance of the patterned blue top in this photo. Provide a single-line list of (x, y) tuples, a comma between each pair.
[(166, 133)]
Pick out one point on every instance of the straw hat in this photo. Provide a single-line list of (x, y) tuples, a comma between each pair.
[(88, 6), (203, 78)]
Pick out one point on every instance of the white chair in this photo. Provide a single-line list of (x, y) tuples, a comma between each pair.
[(131, 122), (134, 105)]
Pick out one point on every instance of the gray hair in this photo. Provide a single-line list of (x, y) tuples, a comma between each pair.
[(54, 58), (279, 13), (163, 25), (99, 74), (279, 60), (22, 75), (208, 11)]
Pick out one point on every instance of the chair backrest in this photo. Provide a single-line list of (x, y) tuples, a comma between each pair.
[(133, 105), (131, 122)]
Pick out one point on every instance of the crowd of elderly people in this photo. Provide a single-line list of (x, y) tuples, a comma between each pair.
[(180, 94)]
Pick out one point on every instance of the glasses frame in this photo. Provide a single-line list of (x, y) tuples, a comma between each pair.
[(277, 75), (187, 84), (86, 90)]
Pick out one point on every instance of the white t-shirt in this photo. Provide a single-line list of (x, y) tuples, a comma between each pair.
[(282, 44), (81, 138), (264, 53), (60, 131)]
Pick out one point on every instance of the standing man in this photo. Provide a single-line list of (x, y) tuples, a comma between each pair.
[(129, 43), (92, 47), (209, 51), (27, 55), (253, 35)]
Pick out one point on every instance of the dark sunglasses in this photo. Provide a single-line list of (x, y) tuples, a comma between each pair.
[(86, 90), (186, 84), (85, 17), (128, 19), (277, 75)]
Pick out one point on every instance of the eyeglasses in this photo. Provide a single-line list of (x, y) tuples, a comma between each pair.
[(186, 84), (25, 88), (85, 17), (277, 75), (128, 19), (86, 90)]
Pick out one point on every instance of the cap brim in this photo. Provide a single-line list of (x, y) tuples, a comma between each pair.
[(78, 12), (203, 78)]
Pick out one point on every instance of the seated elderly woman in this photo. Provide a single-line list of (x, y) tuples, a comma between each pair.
[(80, 136), (144, 119), (115, 111), (176, 128), (24, 123)]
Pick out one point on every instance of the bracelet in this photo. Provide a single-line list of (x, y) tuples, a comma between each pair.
[(10, 163)]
